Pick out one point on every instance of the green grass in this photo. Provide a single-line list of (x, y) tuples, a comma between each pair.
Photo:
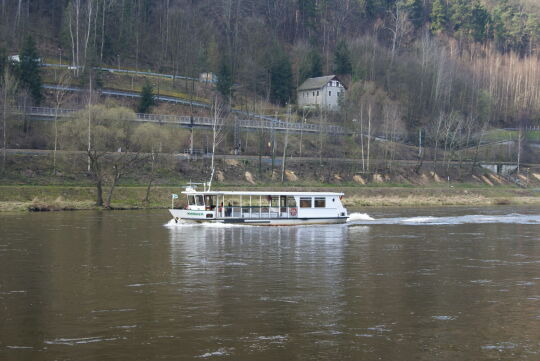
[(499, 135)]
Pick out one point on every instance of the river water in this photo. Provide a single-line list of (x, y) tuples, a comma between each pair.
[(394, 284)]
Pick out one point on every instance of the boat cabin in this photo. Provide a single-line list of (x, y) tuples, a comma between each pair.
[(263, 205)]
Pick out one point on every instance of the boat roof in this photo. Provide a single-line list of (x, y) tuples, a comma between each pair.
[(243, 193)]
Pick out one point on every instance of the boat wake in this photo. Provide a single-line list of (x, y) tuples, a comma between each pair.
[(515, 218), (173, 224), (359, 217)]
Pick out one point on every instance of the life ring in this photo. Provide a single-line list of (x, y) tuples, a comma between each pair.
[(293, 212)]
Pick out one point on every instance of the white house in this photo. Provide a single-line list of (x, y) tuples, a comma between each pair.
[(208, 78), (325, 92)]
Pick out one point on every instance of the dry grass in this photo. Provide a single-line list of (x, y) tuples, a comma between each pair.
[(439, 200), (58, 204), (48, 198)]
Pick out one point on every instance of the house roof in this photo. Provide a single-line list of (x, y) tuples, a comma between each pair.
[(264, 194), (316, 83)]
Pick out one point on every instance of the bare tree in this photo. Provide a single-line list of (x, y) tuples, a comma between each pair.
[(61, 91), (89, 11), (149, 138), (399, 26), (111, 142), (218, 134)]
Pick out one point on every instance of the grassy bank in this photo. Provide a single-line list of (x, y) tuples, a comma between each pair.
[(56, 198)]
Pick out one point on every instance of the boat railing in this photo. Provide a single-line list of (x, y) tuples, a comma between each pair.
[(257, 212)]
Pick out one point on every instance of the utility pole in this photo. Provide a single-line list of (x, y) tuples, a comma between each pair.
[(520, 134), (285, 145), (191, 119), (274, 142), (236, 136)]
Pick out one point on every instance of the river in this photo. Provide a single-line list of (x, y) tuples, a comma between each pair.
[(392, 284)]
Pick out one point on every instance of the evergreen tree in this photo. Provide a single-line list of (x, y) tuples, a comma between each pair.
[(500, 33), (212, 55), (375, 8), (312, 67), (29, 70), (415, 9), (470, 20), (460, 15), (342, 59), (308, 11), (224, 80), (532, 29), (147, 100), (439, 16), (3, 62), (281, 88), (480, 19)]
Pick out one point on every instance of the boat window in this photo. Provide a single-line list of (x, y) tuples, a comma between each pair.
[(320, 202), (200, 200), (191, 200), (305, 202), (291, 202), (209, 201)]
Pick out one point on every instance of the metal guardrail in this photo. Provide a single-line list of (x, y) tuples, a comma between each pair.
[(194, 121), (274, 123), (529, 128), (197, 151), (117, 70)]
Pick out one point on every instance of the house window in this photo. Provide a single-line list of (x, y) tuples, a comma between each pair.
[(320, 202), (317, 93), (305, 202), (329, 94), (313, 93)]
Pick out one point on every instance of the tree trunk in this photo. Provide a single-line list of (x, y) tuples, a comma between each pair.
[(102, 34), (99, 191), (4, 135), (88, 31), (55, 140), (117, 175), (475, 159), (152, 171), (369, 137)]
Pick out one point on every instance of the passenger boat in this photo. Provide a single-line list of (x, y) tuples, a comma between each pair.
[(261, 208)]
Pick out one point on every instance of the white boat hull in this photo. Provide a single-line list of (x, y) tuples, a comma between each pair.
[(208, 217)]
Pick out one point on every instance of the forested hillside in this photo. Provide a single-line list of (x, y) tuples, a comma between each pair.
[(408, 63)]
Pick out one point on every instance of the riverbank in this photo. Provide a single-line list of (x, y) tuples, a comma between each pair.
[(60, 198)]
